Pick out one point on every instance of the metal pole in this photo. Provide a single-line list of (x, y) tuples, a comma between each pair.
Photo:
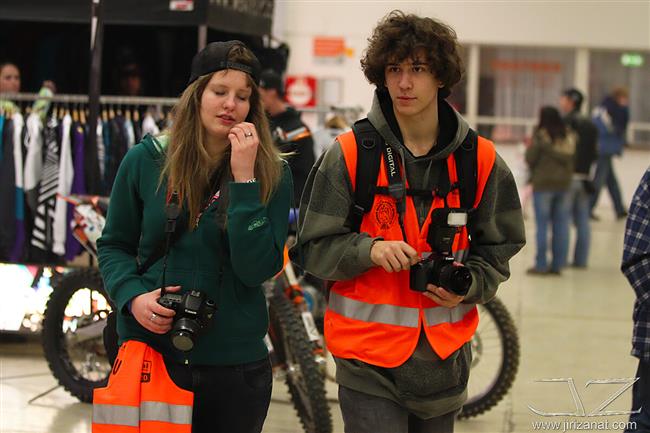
[(91, 162)]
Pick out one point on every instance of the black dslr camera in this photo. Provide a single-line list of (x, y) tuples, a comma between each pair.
[(438, 268), (194, 311)]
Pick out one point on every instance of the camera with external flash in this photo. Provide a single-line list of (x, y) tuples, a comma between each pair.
[(438, 268), (194, 312)]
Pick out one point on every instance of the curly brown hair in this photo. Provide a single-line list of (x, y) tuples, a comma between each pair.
[(399, 36)]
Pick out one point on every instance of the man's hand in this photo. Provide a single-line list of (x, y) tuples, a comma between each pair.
[(150, 314), (442, 297), (393, 256)]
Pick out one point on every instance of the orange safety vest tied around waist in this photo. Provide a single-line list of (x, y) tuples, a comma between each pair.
[(375, 317), (140, 396)]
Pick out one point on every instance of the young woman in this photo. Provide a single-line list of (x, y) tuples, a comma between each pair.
[(234, 191), (550, 158)]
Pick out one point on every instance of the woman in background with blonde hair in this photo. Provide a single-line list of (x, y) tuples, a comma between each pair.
[(219, 163)]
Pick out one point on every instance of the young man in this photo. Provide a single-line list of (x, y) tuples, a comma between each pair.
[(611, 118), (403, 355), (289, 132), (636, 267), (581, 186)]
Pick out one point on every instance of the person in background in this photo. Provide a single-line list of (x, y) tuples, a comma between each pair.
[(551, 160), (611, 118), (636, 268), (10, 83), (581, 185), (403, 356), (323, 138), (130, 80), (219, 165), (290, 133)]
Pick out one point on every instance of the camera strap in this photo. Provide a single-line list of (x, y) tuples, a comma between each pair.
[(396, 187), (172, 210)]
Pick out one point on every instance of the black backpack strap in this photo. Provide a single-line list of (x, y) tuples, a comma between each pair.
[(369, 147), (467, 169)]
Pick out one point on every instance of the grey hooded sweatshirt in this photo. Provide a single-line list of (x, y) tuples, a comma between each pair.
[(425, 384)]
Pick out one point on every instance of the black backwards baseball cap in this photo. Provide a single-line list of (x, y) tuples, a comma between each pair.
[(574, 95), (214, 57), (269, 79)]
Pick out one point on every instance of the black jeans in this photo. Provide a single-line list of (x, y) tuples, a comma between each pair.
[(641, 400), (364, 413), (227, 399)]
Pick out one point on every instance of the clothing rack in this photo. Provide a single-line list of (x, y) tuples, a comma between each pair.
[(81, 99)]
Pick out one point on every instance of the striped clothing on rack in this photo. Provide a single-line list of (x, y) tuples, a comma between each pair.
[(44, 218)]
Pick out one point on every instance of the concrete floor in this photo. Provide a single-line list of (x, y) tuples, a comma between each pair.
[(576, 326)]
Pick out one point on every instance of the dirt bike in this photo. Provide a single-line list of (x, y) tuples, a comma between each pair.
[(76, 312)]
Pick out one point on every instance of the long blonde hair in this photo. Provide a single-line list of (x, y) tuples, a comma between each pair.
[(188, 167)]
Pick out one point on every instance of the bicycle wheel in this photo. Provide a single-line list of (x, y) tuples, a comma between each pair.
[(74, 318), (303, 376), (495, 359)]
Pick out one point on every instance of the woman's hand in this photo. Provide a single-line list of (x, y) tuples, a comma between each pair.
[(150, 314), (244, 142)]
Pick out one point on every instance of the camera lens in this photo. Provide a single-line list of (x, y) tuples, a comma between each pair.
[(183, 334), (457, 279), (182, 340)]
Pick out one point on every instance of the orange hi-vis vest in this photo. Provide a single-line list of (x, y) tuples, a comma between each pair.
[(140, 396), (375, 317)]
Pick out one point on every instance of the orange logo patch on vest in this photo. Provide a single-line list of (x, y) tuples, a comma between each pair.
[(146, 372), (385, 214)]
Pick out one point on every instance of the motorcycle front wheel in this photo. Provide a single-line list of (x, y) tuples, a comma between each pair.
[(303, 375), (495, 359), (74, 319)]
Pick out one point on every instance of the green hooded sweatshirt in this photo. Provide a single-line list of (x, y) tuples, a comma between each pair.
[(237, 245), (425, 384)]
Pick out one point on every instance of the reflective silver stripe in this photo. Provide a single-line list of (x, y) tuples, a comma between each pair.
[(116, 414), (378, 313), (296, 132), (165, 412), (148, 411), (438, 315), (461, 255)]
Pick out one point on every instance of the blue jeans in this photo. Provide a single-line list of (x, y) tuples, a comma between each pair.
[(580, 210), (641, 399), (605, 175), (365, 413), (552, 207)]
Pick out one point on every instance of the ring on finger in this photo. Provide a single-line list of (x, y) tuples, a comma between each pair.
[(153, 316), (248, 134)]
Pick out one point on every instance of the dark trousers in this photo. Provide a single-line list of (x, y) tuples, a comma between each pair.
[(227, 399), (641, 400), (364, 413)]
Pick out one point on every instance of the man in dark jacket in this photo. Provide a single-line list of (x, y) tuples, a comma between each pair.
[(289, 132), (582, 186)]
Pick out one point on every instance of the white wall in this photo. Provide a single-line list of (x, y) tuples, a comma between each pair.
[(593, 24)]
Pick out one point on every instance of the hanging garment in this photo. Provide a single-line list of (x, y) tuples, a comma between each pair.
[(7, 192), (43, 219), (18, 249), (72, 247), (101, 150), (34, 160), (66, 172), (149, 125), (106, 162), (130, 133), (2, 124)]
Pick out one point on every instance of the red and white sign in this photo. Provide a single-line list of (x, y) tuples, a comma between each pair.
[(300, 90)]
